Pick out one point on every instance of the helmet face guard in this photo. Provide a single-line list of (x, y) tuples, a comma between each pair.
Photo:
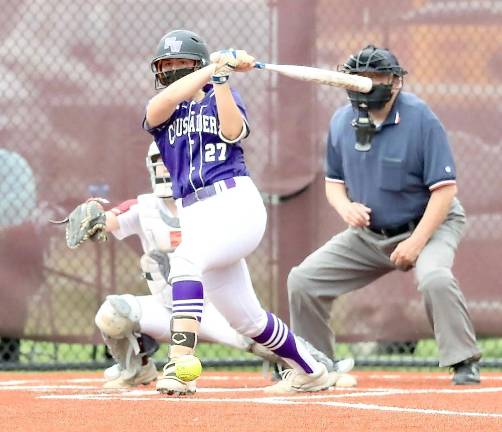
[(164, 79), (178, 44), (162, 186)]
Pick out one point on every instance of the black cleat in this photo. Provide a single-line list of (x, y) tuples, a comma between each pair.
[(466, 372)]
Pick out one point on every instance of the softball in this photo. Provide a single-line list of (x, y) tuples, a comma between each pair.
[(188, 368)]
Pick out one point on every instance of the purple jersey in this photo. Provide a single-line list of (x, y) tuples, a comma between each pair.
[(193, 152)]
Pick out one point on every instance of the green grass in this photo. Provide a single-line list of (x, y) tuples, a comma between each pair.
[(33, 352)]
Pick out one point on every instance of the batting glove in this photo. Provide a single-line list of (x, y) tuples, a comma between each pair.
[(227, 61)]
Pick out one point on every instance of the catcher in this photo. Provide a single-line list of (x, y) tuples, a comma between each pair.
[(132, 325)]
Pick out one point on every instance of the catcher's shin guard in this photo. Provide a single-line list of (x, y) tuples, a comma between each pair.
[(118, 319), (148, 347)]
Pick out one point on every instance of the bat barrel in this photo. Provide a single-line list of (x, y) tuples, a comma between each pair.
[(321, 76)]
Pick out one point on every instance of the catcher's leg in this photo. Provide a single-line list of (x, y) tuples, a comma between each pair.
[(118, 319)]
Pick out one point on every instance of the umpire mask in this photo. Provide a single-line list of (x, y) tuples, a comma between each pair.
[(374, 60), (374, 100)]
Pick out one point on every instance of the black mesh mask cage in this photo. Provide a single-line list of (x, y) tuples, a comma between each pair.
[(376, 60), (179, 44)]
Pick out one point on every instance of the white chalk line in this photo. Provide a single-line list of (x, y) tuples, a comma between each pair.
[(284, 400), (352, 393), (46, 388), (375, 407), (322, 399)]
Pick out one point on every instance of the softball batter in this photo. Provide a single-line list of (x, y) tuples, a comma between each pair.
[(198, 122)]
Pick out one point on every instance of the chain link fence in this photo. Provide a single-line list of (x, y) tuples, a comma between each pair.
[(75, 81)]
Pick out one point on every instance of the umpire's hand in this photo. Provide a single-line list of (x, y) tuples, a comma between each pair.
[(355, 214), (406, 253)]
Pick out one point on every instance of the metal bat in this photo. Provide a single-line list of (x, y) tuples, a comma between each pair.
[(322, 76)]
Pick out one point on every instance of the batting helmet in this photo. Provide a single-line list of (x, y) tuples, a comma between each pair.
[(376, 60), (178, 44)]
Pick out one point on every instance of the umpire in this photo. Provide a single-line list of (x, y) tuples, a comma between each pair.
[(390, 175)]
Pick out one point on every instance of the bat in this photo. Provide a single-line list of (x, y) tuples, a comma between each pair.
[(322, 76)]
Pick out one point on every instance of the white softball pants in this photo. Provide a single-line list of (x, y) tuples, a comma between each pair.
[(218, 234)]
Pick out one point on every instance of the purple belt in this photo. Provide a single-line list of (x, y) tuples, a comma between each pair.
[(207, 192)]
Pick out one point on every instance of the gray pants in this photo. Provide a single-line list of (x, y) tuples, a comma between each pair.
[(357, 257)]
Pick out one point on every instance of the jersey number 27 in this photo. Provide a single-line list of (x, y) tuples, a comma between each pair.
[(215, 151)]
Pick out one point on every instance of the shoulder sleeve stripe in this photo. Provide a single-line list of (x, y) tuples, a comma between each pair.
[(441, 184), (123, 207), (332, 180)]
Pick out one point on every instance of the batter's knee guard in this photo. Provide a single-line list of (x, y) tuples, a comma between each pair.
[(183, 269), (118, 320), (156, 269)]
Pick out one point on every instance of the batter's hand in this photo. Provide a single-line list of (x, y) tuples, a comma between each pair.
[(406, 253), (232, 60), (356, 214)]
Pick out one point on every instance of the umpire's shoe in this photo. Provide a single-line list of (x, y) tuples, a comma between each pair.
[(294, 381), (466, 372), (170, 384)]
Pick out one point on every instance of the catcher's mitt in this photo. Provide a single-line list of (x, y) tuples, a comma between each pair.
[(87, 221)]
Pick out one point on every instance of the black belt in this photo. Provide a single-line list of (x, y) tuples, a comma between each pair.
[(207, 191), (396, 230)]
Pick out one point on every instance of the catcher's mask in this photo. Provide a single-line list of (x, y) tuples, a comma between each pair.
[(161, 183), (376, 60), (178, 44)]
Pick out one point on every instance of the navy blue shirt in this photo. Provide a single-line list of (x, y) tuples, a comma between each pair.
[(409, 157), (191, 148)]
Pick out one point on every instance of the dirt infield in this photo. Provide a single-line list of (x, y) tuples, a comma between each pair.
[(234, 402)]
